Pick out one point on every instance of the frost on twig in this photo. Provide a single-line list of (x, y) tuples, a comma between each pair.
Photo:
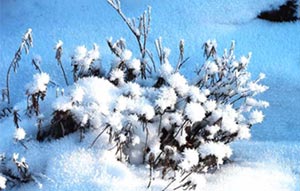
[(20, 133), (58, 55), (36, 90), (86, 63), (36, 62), (140, 30), (27, 42)]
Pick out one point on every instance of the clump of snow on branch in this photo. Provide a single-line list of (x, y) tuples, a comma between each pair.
[(58, 45), (219, 150), (167, 99), (195, 112), (86, 62), (39, 83), (2, 182), (19, 134), (256, 117), (190, 159)]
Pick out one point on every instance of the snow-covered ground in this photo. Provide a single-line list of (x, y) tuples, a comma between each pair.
[(270, 161)]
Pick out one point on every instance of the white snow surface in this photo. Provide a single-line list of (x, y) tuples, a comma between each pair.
[(268, 162)]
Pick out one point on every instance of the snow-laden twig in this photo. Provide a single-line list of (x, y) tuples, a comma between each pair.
[(27, 42), (140, 31), (58, 54)]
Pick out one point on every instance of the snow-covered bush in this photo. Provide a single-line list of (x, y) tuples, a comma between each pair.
[(171, 125), (149, 111), (152, 114)]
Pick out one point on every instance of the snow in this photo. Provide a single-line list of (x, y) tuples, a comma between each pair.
[(15, 156), (132, 89), (181, 138), (58, 44), (2, 182), (126, 55), (196, 95), (257, 88), (244, 132), (212, 68), (39, 83), (252, 177), (269, 161), (80, 53), (195, 112), (117, 74), (210, 105), (84, 58), (212, 129), (220, 150), (256, 117), (190, 159), (146, 110), (166, 69), (179, 83), (167, 98), (135, 64), (257, 103), (20, 134)]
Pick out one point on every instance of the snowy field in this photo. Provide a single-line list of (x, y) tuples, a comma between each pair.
[(269, 161)]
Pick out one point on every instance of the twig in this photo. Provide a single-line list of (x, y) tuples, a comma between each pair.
[(158, 47), (146, 141), (98, 136), (152, 60), (151, 163), (58, 58), (140, 32), (25, 44), (21, 142), (184, 61), (169, 184), (36, 64), (181, 55), (189, 174), (117, 6), (183, 185)]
